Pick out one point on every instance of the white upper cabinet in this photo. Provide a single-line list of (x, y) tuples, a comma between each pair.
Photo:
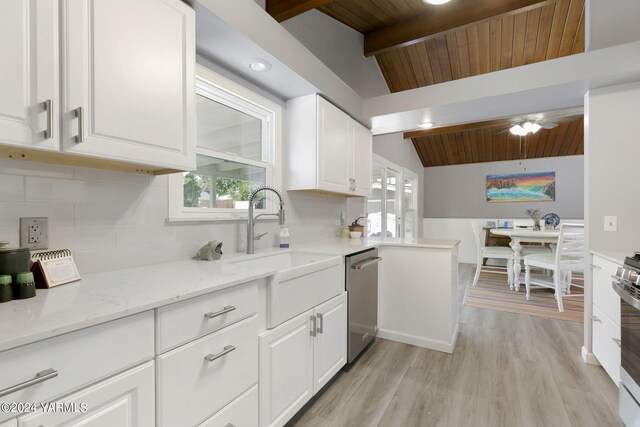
[(326, 149), (29, 74), (126, 86), (128, 74)]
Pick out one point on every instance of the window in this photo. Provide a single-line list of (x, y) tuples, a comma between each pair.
[(393, 205), (237, 139)]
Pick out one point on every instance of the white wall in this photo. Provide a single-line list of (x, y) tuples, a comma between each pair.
[(460, 191), (341, 49), (612, 154), (611, 22), (113, 220)]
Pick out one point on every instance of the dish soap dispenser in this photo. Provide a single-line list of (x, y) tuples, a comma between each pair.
[(284, 237)]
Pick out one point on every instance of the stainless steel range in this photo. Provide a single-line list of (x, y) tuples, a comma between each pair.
[(626, 283)]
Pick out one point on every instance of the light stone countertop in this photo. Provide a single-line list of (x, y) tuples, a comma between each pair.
[(102, 297), (616, 256)]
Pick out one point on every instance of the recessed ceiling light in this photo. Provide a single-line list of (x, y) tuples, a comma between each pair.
[(437, 1), (426, 125), (259, 65)]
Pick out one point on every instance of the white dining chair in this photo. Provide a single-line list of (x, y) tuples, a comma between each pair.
[(496, 252), (567, 259)]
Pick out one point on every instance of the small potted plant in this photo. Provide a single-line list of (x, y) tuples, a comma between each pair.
[(534, 214)]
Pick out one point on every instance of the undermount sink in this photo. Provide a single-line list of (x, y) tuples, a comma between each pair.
[(303, 281)]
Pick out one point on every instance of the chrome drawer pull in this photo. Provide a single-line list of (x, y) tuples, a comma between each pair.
[(230, 425), (320, 327), (48, 107), (596, 267), (617, 341), (595, 319), (313, 326), (79, 113), (227, 349), (41, 376), (212, 314)]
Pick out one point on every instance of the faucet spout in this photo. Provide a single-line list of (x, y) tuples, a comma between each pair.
[(251, 219)]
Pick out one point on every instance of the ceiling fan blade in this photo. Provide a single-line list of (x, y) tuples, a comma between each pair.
[(548, 125)]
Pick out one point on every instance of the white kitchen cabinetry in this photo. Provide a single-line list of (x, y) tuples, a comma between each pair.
[(606, 317), (29, 74), (127, 87), (124, 400), (298, 357), (10, 423), (327, 150), (241, 412)]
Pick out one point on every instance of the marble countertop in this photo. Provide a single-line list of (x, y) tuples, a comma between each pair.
[(616, 256), (101, 297), (349, 246)]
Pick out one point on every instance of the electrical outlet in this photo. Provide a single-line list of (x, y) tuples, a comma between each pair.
[(34, 233), (610, 223)]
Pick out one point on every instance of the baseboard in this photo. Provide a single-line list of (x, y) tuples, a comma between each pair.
[(589, 358), (446, 347)]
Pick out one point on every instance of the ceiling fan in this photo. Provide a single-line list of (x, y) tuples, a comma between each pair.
[(525, 127)]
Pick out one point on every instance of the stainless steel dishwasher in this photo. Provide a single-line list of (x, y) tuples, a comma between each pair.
[(362, 289)]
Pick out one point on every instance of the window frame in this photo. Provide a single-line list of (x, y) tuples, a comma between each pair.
[(233, 95)]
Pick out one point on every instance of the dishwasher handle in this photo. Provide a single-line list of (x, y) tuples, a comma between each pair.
[(366, 263)]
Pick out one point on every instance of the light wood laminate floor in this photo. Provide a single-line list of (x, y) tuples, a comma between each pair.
[(506, 370)]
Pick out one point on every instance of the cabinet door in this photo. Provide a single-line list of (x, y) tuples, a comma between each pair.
[(362, 158), (128, 71), (124, 400), (286, 370), (29, 73), (604, 296), (334, 162), (330, 347), (606, 336)]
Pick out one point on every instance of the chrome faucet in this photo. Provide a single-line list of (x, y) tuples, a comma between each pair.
[(251, 238)]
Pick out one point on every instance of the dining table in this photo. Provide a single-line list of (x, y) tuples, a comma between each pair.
[(525, 235)]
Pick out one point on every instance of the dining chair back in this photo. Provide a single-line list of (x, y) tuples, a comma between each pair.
[(497, 252)]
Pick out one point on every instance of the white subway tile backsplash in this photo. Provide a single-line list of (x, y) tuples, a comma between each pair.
[(113, 220), (67, 190), (11, 187)]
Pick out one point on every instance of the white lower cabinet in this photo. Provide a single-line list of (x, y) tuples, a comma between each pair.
[(298, 357), (242, 412), (201, 377), (606, 343), (606, 317), (126, 399), (9, 423)]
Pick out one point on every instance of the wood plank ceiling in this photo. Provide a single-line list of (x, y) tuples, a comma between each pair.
[(417, 44), (496, 143)]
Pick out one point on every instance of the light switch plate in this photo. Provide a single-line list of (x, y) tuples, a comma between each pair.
[(610, 223), (34, 233)]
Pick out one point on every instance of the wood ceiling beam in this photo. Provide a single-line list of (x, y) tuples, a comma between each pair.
[(281, 10), (458, 128), (442, 19)]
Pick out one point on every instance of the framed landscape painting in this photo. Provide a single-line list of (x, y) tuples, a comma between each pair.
[(523, 187)]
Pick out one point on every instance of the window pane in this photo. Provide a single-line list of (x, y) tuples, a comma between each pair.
[(222, 184), (392, 205), (222, 128), (374, 205)]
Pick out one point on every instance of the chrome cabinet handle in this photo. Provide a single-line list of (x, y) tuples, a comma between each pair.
[(230, 425), (313, 326), (79, 113), (320, 327), (212, 314), (595, 318), (227, 349), (596, 267), (617, 341), (48, 107), (41, 376)]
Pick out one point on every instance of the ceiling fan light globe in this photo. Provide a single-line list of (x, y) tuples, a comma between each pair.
[(436, 2), (517, 130), (535, 127)]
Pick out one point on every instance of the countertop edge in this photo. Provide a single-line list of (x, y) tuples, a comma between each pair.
[(616, 257)]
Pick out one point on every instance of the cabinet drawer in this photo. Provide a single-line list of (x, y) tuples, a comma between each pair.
[(187, 320), (191, 388), (604, 296), (79, 358), (241, 412), (605, 348), (124, 400)]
